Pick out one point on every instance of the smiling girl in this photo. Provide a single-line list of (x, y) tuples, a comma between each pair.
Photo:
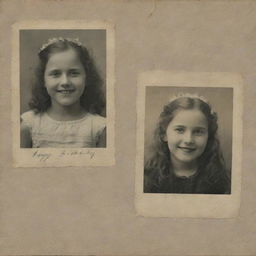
[(186, 155), (67, 100)]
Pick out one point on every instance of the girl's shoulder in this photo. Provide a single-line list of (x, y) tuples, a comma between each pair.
[(96, 120), (151, 181), (28, 114), (218, 182), (29, 117), (96, 117)]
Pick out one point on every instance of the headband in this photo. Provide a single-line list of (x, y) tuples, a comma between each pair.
[(189, 95), (193, 96), (60, 39)]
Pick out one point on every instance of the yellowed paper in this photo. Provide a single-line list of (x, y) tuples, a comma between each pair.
[(90, 210)]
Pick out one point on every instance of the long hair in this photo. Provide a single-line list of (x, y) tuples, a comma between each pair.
[(211, 162), (92, 98)]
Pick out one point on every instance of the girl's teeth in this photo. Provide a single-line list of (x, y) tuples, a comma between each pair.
[(66, 92), (187, 149)]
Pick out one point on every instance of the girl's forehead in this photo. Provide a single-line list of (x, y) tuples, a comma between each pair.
[(189, 117), (65, 57)]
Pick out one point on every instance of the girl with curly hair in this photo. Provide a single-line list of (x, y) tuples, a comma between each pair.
[(186, 155), (67, 100)]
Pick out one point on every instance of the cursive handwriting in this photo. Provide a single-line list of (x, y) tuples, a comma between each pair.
[(43, 157), (88, 152)]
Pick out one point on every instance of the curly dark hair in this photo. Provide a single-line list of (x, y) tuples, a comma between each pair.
[(158, 165), (92, 99)]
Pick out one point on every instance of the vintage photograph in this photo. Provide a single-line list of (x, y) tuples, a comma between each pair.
[(190, 149), (188, 143), (67, 101), (65, 87)]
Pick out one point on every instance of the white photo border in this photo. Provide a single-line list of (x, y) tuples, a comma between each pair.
[(54, 157), (189, 205)]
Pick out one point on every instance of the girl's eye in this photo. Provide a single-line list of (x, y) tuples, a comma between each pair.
[(74, 73), (199, 132), (55, 73), (179, 130)]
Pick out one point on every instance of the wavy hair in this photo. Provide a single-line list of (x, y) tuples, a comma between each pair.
[(92, 98), (211, 162)]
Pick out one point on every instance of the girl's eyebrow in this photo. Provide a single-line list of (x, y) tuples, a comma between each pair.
[(201, 127), (196, 127), (54, 70), (58, 69), (72, 69)]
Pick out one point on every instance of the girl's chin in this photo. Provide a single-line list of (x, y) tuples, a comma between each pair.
[(68, 102), (185, 159)]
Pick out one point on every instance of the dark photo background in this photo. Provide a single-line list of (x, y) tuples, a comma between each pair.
[(32, 40), (221, 100)]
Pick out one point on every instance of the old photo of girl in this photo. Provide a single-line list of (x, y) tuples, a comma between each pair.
[(186, 155), (189, 131), (67, 99), (63, 93)]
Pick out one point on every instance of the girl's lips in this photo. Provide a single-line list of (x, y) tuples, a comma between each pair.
[(66, 91), (187, 149)]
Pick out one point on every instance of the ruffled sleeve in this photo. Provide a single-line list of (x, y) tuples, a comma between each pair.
[(98, 126), (27, 119)]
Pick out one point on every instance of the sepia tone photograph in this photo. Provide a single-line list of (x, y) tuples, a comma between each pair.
[(190, 147), (188, 144), (96, 199), (64, 89)]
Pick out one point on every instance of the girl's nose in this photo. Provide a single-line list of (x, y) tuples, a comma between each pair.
[(188, 137), (64, 80)]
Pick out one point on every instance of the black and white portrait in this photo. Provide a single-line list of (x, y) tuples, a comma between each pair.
[(188, 140), (188, 161), (63, 89), (63, 75)]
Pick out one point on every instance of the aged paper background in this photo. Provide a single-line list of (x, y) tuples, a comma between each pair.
[(82, 211)]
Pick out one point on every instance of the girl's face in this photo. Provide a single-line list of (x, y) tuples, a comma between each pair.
[(65, 78), (187, 136)]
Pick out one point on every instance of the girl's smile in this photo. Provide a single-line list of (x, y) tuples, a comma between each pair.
[(187, 136), (65, 78)]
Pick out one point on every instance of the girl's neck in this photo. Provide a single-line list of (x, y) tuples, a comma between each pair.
[(69, 113), (184, 169)]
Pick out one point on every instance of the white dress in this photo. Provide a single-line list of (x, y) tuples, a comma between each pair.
[(49, 133)]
